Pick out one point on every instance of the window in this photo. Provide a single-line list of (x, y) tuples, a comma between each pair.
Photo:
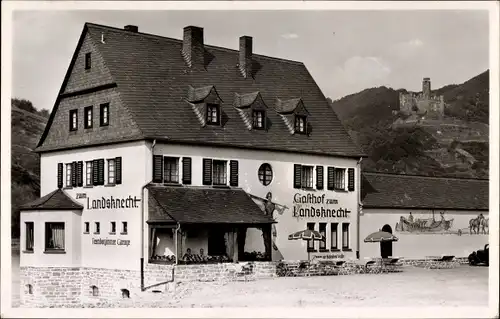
[(104, 115), (86, 227), (111, 171), (171, 170), (95, 291), (212, 114), (265, 174), (345, 236), (339, 178), (219, 172), (300, 124), (54, 236), (307, 177), (89, 173), (258, 119), (30, 232), (97, 228), (335, 244), (124, 228), (310, 243), (322, 231), (88, 116), (73, 120), (88, 61), (68, 175), (113, 228), (30, 289)]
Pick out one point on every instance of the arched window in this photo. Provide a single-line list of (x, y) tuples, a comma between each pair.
[(265, 174), (95, 291), (125, 293)]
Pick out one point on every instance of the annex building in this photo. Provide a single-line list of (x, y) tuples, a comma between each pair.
[(161, 151)]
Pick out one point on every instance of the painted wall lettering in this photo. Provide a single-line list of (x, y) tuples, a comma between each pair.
[(301, 210), (328, 256), (113, 242), (112, 203), (81, 195)]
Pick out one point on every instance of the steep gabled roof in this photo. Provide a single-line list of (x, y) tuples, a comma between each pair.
[(408, 191), (56, 200), (153, 79)]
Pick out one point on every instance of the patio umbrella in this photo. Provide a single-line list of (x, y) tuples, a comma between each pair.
[(306, 234), (380, 236)]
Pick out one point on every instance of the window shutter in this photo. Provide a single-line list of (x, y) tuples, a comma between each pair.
[(157, 168), (118, 170), (350, 183), (186, 170), (319, 177), (331, 176), (79, 174), (73, 174), (95, 172), (207, 171), (59, 175), (234, 173), (297, 175), (101, 171)]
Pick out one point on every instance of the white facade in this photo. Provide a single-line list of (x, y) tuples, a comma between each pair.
[(86, 249)]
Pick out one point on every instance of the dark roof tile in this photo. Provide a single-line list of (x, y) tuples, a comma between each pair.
[(56, 200), (153, 80), (203, 205), (408, 191)]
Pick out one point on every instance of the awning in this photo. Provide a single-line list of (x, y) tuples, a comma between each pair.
[(203, 205), (56, 200)]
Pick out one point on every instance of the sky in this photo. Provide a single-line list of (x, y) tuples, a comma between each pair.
[(345, 51)]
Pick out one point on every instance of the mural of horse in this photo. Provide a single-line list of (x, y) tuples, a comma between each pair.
[(475, 224), (484, 226)]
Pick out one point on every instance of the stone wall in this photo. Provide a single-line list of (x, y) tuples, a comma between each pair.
[(56, 286), (50, 286)]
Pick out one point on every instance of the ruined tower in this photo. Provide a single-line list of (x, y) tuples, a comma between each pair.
[(422, 104), (426, 88)]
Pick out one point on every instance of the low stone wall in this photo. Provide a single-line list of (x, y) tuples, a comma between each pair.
[(50, 286), (56, 286)]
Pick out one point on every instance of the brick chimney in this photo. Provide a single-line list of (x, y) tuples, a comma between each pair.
[(193, 48), (131, 28), (245, 62), (426, 88)]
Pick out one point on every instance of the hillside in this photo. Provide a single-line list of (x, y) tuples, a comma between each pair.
[(454, 146), (27, 127)]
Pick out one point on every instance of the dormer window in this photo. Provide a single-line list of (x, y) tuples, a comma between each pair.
[(300, 124), (258, 119), (213, 114)]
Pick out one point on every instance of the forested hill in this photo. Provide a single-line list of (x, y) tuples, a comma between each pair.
[(455, 146)]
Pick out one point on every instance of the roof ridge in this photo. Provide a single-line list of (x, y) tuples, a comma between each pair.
[(424, 176), (49, 196), (180, 40)]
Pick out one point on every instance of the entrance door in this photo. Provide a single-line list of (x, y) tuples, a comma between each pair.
[(216, 242), (386, 247)]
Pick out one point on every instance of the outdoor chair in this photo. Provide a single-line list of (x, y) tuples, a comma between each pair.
[(391, 264), (246, 272), (341, 267), (371, 267)]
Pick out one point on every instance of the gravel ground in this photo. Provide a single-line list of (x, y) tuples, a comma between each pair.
[(464, 286)]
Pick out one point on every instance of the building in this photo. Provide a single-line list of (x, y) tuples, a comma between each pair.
[(431, 216), (156, 146), (423, 103)]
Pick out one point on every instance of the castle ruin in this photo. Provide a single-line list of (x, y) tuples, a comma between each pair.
[(423, 103)]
